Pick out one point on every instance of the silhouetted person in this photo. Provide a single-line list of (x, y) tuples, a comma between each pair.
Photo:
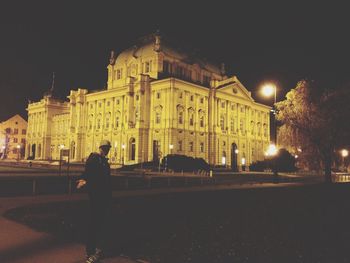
[(97, 179)]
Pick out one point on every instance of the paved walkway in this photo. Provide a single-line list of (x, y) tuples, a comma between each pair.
[(21, 244)]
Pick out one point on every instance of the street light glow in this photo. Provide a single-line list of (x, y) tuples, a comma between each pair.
[(268, 90), (271, 150), (171, 146), (123, 146), (18, 146), (344, 153)]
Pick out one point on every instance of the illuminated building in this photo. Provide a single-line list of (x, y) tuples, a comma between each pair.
[(158, 101), (13, 137)]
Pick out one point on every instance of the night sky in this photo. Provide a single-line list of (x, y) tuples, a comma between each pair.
[(280, 42)]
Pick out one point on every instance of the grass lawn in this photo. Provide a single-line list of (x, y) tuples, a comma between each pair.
[(308, 224)]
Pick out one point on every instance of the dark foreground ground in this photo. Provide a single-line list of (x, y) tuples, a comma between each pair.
[(297, 224)]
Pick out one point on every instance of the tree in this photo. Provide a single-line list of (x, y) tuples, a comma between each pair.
[(314, 118)]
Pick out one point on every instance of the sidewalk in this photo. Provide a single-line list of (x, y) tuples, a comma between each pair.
[(21, 244)]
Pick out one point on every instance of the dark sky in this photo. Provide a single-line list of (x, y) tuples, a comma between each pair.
[(257, 42)]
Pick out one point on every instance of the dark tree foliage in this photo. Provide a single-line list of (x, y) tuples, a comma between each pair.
[(315, 119), (179, 163)]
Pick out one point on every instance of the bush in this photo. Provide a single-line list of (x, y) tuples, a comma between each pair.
[(259, 166), (184, 163), (285, 162)]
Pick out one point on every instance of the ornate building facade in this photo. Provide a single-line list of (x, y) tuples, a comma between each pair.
[(158, 101), (13, 137)]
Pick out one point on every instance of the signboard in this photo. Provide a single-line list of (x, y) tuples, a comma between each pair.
[(65, 152)]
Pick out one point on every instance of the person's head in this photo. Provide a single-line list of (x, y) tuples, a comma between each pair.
[(105, 146)]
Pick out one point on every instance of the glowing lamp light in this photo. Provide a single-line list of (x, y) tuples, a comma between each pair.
[(236, 151), (296, 156), (243, 161), (18, 146), (123, 146), (268, 90), (171, 146), (344, 153), (271, 150), (223, 160)]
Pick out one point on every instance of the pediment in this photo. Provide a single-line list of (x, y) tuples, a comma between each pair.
[(235, 88)]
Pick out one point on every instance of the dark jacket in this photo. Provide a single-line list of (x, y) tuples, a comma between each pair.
[(98, 176)]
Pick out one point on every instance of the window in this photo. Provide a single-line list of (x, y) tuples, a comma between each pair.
[(222, 122), (191, 98), (91, 105), (15, 140), (98, 123), (8, 130), (99, 104), (223, 104), (157, 117), (119, 73), (201, 121), (181, 117), (108, 103), (191, 119), (24, 131), (180, 95), (191, 146), (232, 125), (15, 131), (201, 147), (137, 97), (117, 101), (206, 80), (179, 145), (23, 141), (158, 95), (202, 100), (117, 122), (241, 125), (147, 67)]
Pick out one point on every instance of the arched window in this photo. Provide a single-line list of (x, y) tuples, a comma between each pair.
[(132, 149), (158, 116), (191, 119)]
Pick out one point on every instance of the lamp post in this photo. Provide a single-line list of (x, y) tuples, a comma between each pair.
[(269, 90), (3, 151), (60, 147), (344, 153), (18, 150), (123, 148), (166, 158)]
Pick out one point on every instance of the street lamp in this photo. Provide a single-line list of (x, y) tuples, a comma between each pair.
[(123, 148), (269, 90), (344, 153), (18, 150), (166, 158)]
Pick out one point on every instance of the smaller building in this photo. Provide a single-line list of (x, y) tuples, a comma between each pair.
[(13, 137)]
